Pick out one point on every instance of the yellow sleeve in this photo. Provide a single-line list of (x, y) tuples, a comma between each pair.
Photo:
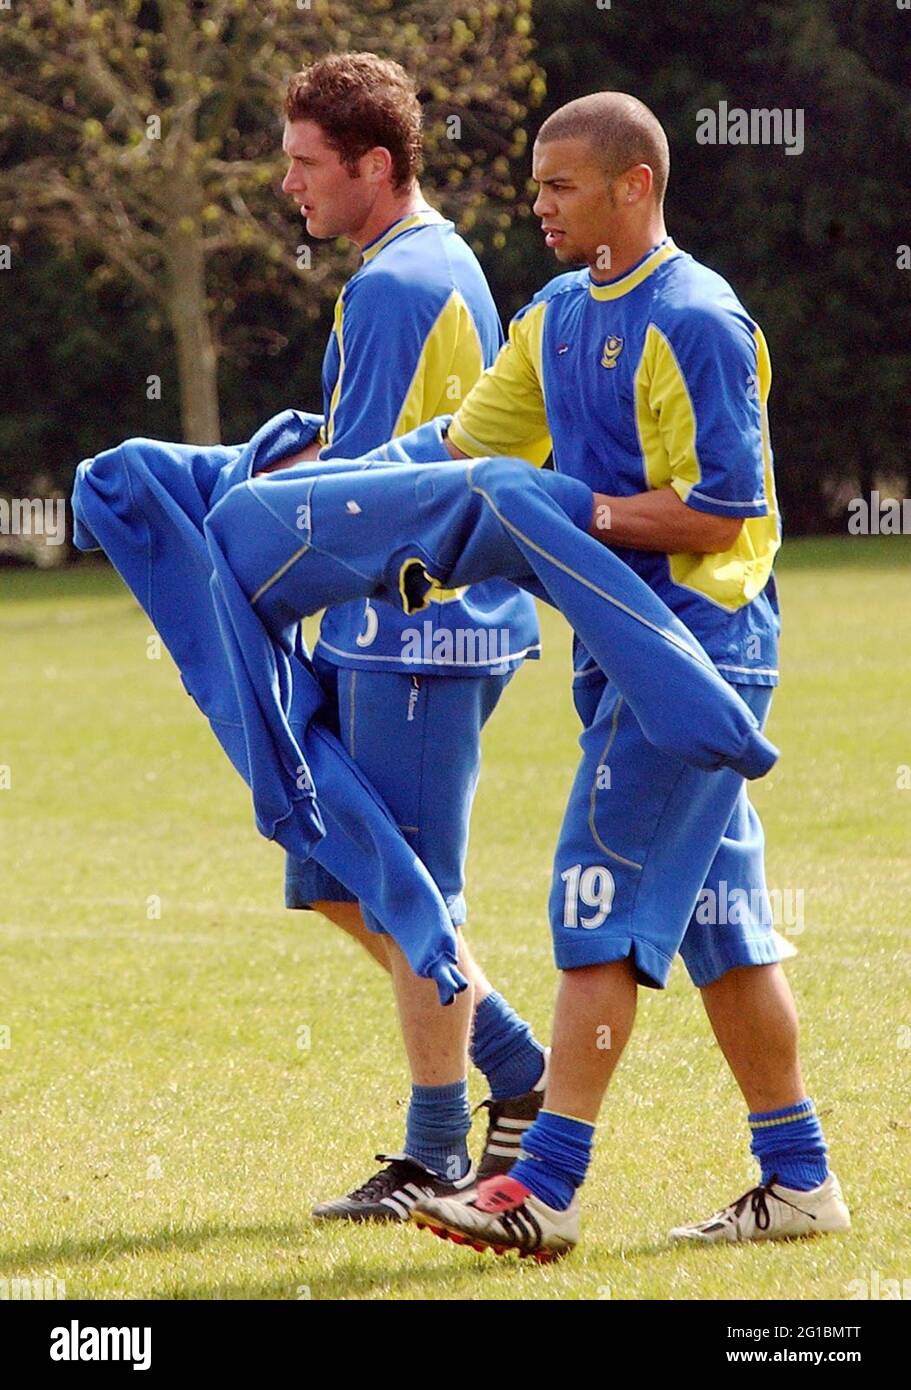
[(504, 412), (450, 363)]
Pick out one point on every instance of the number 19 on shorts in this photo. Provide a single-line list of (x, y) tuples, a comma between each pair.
[(591, 887)]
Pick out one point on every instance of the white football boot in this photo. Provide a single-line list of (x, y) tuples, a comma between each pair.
[(773, 1212), (502, 1215)]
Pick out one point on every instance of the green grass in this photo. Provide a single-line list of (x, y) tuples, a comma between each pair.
[(163, 1134)]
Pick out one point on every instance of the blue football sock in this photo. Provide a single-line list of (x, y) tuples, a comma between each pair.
[(790, 1144), (438, 1123), (504, 1048), (556, 1152)]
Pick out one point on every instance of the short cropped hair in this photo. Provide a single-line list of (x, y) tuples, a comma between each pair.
[(359, 101), (620, 128)]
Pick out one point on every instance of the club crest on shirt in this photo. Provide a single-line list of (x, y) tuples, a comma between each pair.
[(612, 350)]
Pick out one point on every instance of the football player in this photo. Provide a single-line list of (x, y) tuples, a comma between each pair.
[(650, 380), (414, 327)]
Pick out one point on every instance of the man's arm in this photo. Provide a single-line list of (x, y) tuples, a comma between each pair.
[(388, 335), (659, 520), (381, 334), (311, 452), (656, 520), (703, 436), (504, 411)]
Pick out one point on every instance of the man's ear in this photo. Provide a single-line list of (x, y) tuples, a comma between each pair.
[(377, 164), (637, 182)]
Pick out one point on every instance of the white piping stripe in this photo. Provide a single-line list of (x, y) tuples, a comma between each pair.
[(720, 502), (603, 762), (749, 670), (441, 666)]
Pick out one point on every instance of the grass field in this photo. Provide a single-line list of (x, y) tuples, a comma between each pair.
[(176, 1090)]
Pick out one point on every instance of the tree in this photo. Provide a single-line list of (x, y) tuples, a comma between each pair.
[(149, 135), (809, 242)]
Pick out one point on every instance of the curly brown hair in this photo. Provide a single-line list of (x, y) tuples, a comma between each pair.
[(360, 101)]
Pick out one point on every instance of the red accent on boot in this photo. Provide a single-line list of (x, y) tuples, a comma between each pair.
[(501, 1194)]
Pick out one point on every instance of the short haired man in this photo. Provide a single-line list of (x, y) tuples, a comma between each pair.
[(651, 381)]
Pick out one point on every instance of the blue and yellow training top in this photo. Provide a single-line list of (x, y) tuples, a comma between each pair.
[(656, 379), (415, 326)]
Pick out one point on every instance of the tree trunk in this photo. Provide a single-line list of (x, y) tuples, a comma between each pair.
[(197, 363), (866, 469)]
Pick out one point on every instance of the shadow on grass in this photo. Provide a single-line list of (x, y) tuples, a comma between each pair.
[(387, 1282), (75, 1250), (402, 1275), (352, 1279)]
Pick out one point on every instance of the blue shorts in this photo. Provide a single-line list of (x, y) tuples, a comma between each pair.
[(418, 740), (651, 852)]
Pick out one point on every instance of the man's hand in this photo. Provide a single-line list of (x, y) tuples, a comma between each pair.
[(452, 451), (659, 520), (311, 452)]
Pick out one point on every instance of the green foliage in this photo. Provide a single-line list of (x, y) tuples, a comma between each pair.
[(150, 135), (74, 356), (809, 242)]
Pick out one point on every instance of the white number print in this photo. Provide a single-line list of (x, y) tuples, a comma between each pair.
[(365, 638), (592, 887)]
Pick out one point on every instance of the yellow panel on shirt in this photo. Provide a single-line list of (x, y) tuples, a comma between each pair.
[(505, 412), (667, 427)]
